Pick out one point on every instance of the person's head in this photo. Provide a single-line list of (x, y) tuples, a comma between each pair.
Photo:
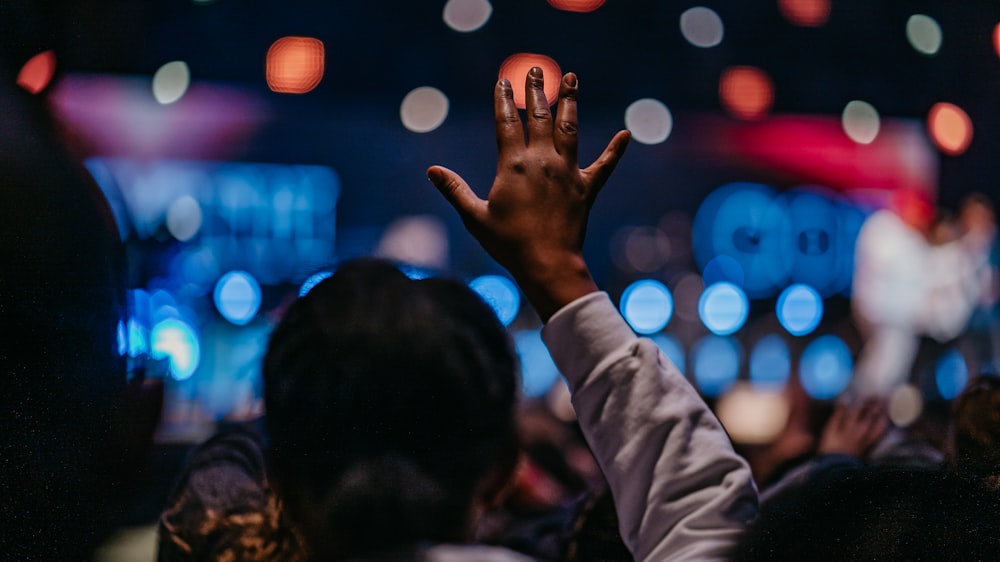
[(975, 431), (390, 406)]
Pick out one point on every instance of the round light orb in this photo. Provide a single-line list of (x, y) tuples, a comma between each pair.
[(723, 308), (295, 65), (175, 340), (861, 122), (702, 27), (501, 294), (746, 92), (423, 109), (924, 34), (184, 218), (770, 363), (716, 364), (647, 306), (36, 74), (237, 297), (649, 121), (905, 405), (825, 367), (467, 15), (950, 128), (805, 13), (582, 6), (799, 309), (171, 82)]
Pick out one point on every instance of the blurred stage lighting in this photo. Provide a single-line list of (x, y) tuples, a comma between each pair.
[(996, 39), (237, 297), (950, 128), (538, 370), (423, 109), (672, 348), (702, 27), (466, 15), (746, 92), (184, 218), (770, 363), (716, 364), (924, 34), (515, 69), (576, 5), (175, 340), (171, 82), (752, 416), (805, 13), (647, 305), (905, 405), (825, 367), (723, 269), (649, 121), (36, 74), (799, 309), (312, 281), (295, 65), (951, 374), (501, 294), (861, 122), (723, 308)]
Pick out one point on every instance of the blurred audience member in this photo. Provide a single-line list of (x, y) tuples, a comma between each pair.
[(975, 434)]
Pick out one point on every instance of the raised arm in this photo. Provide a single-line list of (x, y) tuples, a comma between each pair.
[(680, 490)]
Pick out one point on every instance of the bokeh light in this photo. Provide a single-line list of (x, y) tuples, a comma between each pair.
[(672, 348), (538, 370), (996, 39), (861, 122), (647, 306), (723, 308), (825, 367), (171, 82), (649, 121), (36, 74), (702, 27), (752, 416), (905, 405), (423, 109), (501, 294), (951, 373), (312, 281), (419, 240), (924, 34), (770, 363), (723, 268), (716, 364), (175, 340), (805, 13), (184, 218), (237, 297), (799, 309), (295, 65), (746, 92), (576, 5), (950, 128), (515, 69), (467, 15)]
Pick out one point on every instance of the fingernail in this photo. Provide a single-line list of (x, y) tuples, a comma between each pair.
[(535, 72), (571, 80), (504, 83)]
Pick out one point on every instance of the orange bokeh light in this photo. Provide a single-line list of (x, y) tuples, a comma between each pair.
[(516, 68), (807, 13), (576, 5), (950, 128), (746, 92), (996, 39), (295, 64), (36, 74)]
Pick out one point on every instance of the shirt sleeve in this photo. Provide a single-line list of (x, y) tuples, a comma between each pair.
[(680, 490)]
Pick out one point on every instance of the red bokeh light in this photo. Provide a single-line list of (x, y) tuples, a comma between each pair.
[(295, 64), (746, 92), (950, 128), (576, 5), (996, 39), (807, 13), (516, 68), (36, 74)]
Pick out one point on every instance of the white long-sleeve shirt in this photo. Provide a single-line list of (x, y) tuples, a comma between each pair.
[(680, 490)]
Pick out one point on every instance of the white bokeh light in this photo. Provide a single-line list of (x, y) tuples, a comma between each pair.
[(424, 109), (861, 122), (649, 121), (467, 15), (184, 218), (702, 27), (171, 82), (924, 34)]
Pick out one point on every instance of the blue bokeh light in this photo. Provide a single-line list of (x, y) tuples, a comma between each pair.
[(647, 306), (672, 348), (723, 308), (175, 340), (501, 294), (122, 338), (951, 374), (138, 338), (799, 309), (812, 245), (716, 364), (415, 272), (312, 281), (723, 268), (538, 370), (825, 367), (237, 297), (770, 363)]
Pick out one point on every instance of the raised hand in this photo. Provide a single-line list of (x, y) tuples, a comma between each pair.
[(534, 219), (854, 430)]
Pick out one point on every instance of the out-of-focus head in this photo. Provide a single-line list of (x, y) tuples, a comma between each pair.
[(975, 430), (389, 406)]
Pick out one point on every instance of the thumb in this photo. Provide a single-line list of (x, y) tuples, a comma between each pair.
[(456, 191)]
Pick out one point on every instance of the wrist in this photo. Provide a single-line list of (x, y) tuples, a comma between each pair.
[(551, 282)]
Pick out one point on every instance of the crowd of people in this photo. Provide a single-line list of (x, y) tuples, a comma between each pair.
[(393, 428)]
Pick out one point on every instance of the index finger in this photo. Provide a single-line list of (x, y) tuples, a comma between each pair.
[(510, 135)]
